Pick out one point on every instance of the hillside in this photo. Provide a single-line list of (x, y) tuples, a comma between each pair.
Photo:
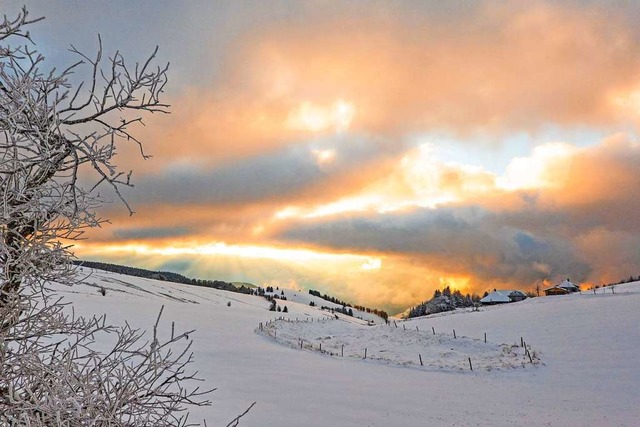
[(585, 346), (305, 298), (167, 276)]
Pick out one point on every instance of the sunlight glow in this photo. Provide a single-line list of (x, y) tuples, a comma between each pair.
[(372, 264), (324, 157), (352, 204), (456, 283), (545, 168), (628, 103), (314, 117), (288, 212), (241, 251)]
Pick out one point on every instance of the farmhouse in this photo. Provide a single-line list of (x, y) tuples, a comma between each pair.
[(566, 287), (503, 296)]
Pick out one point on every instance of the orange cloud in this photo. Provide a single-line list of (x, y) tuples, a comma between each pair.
[(577, 218), (305, 136), (490, 70)]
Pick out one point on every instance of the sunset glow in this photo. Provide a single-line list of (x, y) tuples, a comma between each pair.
[(220, 248), (379, 151), (315, 117)]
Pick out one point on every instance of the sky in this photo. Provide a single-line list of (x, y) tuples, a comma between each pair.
[(375, 151)]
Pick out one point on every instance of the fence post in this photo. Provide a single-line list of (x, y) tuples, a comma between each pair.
[(420, 356), (470, 365), (454, 334)]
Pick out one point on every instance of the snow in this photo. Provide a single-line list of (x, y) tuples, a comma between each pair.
[(425, 350), (305, 298), (586, 345)]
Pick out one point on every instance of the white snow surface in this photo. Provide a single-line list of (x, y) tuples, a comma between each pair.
[(398, 346), (585, 349), (302, 297)]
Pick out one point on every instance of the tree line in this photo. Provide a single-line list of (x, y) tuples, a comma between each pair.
[(165, 276), (344, 304)]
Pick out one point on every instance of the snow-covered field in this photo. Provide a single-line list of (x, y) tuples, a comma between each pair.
[(584, 347), (393, 345)]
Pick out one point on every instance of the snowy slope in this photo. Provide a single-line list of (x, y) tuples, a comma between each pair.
[(305, 298), (587, 345)]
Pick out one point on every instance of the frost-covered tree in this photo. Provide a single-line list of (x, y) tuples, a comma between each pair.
[(443, 300), (57, 145)]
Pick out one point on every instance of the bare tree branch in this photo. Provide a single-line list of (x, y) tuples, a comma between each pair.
[(51, 372), (236, 420)]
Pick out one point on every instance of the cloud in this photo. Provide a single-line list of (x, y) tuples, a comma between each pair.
[(470, 241), (394, 72), (462, 73), (576, 218), (576, 222), (308, 134)]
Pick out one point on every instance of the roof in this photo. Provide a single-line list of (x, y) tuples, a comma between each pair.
[(566, 284), (501, 296)]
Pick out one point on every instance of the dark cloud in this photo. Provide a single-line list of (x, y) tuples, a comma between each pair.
[(470, 239), (279, 175)]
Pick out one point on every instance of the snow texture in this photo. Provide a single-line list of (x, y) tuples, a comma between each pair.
[(586, 343)]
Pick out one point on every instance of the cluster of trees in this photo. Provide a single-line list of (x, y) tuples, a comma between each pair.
[(275, 307), (443, 300), (344, 310), (377, 312), (328, 298), (269, 297)]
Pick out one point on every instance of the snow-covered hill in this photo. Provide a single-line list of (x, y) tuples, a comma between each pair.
[(587, 345), (305, 298)]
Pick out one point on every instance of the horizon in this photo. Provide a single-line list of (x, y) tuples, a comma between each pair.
[(375, 152)]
